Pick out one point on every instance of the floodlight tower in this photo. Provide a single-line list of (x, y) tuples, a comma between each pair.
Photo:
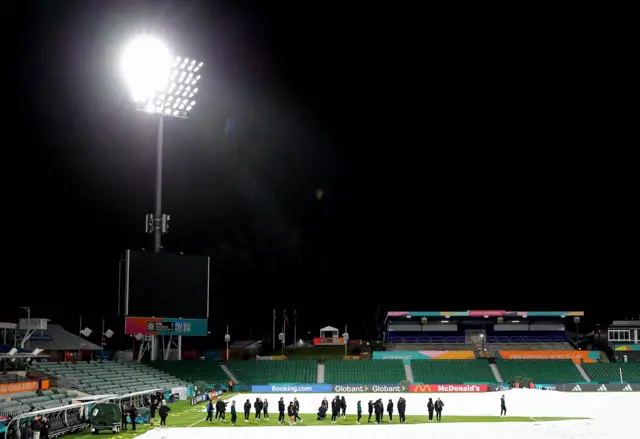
[(165, 86)]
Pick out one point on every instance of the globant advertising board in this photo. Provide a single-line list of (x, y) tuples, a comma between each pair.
[(448, 388), (294, 388), (369, 388)]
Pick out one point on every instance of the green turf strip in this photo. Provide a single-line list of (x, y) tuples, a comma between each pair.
[(185, 415)]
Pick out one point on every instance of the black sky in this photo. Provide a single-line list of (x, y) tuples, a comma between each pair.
[(467, 160)]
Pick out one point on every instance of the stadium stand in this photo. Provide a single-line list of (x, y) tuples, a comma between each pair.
[(610, 372), (19, 403), (364, 372), (264, 371), (452, 371), (540, 371), (192, 371), (109, 377)]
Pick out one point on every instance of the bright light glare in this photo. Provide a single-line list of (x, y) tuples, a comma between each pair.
[(159, 82), (146, 65)]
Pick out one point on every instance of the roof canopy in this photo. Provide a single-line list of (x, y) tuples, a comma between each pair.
[(329, 329), (485, 313)]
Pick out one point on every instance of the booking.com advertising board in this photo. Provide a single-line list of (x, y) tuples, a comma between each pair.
[(370, 388), (165, 326)]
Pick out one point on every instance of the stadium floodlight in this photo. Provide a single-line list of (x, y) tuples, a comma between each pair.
[(36, 352), (159, 82), (163, 84), (12, 352)]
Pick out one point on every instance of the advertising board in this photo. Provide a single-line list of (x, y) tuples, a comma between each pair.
[(448, 388), (165, 326), (330, 341), (577, 357), (293, 388), (27, 386), (369, 388), (423, 355)]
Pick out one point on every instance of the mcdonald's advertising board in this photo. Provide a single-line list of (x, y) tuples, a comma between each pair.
[(448, 388)]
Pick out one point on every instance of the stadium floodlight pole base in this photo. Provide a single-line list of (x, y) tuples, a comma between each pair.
[(145, 346), (172, 344)]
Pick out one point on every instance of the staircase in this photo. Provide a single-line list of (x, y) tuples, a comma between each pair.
[(496, 371), (320, 373), (582, 372), (230, 374), (408, 371)]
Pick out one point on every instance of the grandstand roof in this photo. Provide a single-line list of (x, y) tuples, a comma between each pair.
[(61, 340), (483, 313)]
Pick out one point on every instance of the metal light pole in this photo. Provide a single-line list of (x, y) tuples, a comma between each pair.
[(346, 339), (28, 309), (227, 339), (164, 85)]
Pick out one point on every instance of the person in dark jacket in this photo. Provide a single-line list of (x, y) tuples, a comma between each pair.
[(335, 409), (291, 411), (325, 403), (223, 410), (133, 414), (390, 410), (379, 410), (209, 412), (438, 406), (44, 431), (124, 410), (402, 406), (503, 406), (322, 413), (258, 407), (430, 408), (247, 410), (359, 410), (152, 411), (281, 409), (164, 412), (296, 404), (370, 410), (234, 414), (343, 408), (265, 409), (26, 432)]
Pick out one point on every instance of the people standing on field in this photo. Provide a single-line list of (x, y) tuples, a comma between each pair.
[(390, 410), (247, 410), (430, 408), (503, 406), (438, 406), (402, 406), (281, 408), (359, 410)]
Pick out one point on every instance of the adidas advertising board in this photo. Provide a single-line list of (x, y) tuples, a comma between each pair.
[(369, 388), (598, 387)]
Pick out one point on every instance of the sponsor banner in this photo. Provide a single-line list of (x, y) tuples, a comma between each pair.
[(351, 357), (577, 357), (423, 355), (628, 347), (331, 341), (369, 388), (165, 326), (601, 387), (27, 386), (448, 388), (295, 388), (275, 357)]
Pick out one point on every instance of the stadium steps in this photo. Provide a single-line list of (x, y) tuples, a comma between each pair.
[(409, 372), (230, 374), (583, 373), (496, 372), (320, 373)]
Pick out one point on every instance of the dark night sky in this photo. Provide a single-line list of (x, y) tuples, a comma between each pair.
[(467, 162)]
